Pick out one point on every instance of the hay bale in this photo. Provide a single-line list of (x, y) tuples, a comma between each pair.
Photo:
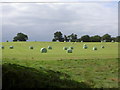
[(94, 48), (49, 47), (2, 47), (69, 51), (112, 41), (102, 47), (31, 47), (11, 47), (81, 41), (43, 50), (85, 47), (71, 47), (104, 40), (65, 48)]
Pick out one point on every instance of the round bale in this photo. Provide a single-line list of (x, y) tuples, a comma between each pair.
[(64, 48), (31, 47), (11, 47), (94, 48), (112, 41), (2, 47), (102, 47), (71, 48), (49, 47), (43, 50), (85, 47), (69, 51)]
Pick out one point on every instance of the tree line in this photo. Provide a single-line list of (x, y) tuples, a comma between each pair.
[(58, 36)]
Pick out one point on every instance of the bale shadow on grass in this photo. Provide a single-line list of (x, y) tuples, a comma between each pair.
[(17, 76)]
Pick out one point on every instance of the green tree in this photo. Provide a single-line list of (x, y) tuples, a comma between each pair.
[(72, 37), (96, 38), (106, 37), (85, 38), (20, 37), (58, 36), (113, 38), (66, 38), (117, 39)]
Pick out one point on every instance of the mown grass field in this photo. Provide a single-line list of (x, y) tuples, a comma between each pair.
[(82, 68)]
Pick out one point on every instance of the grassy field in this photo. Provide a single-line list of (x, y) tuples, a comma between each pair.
[(57, 68)]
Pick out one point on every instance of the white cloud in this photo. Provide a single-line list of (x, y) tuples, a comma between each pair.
[(42, 20), (52, 0)]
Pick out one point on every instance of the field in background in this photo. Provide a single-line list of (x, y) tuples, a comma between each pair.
[(95, 68), (21, 51)]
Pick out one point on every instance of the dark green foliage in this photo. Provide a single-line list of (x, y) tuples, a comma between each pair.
[(54, 40), (20, 37), (106, 37), (66, 38), (73, 37), (117, 39), (95, 38), (85, 38), (17, 76), (58, 36)]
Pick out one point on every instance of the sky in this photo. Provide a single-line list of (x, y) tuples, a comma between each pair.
[(41, 20)]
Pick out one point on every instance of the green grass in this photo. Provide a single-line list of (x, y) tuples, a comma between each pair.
[(21, 51), (84, 67)]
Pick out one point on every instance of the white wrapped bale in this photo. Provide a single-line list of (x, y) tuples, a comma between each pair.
[(112, 41), (71, 47), (31, 47), (101, 41), (94, 48), (104, 40), (69, 51), (85, 47), (49, 47), (65, 48), (2, 47), (102, 47), (11, 47), (81, 41), (43, 50)]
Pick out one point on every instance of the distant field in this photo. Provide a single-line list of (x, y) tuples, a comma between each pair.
[(21, 51), (95, 68)]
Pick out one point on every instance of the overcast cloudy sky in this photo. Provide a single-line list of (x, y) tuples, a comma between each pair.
[(41, 20)]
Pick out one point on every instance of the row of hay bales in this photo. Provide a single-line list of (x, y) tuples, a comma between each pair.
[(42, 50), (10, 47), (94, 48), (68, 49)]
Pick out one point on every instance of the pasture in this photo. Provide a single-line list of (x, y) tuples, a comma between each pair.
[(95, 68)]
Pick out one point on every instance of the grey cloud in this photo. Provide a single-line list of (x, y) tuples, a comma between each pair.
[(40, 21)]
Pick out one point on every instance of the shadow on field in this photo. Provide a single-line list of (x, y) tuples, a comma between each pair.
[(17, 76)]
